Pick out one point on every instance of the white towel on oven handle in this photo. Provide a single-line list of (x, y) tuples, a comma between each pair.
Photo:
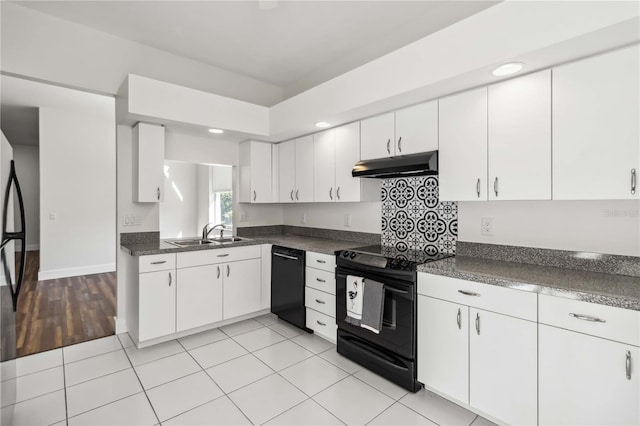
[(355, 291)]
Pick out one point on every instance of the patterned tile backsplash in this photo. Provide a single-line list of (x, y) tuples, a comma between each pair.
[(413, 218)]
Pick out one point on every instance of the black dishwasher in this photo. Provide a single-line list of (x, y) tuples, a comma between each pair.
[(287, 285)]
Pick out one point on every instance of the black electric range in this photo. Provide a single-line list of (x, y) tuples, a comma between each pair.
[(392, 352)]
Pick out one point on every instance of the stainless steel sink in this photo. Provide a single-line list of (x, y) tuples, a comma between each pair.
[(190, 242), (227, 239)]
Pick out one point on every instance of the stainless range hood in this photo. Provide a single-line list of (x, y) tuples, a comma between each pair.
[(422, 164)]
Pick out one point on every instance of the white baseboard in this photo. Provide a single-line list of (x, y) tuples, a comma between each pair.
[(30, 247), (121, 325), (75, 272)]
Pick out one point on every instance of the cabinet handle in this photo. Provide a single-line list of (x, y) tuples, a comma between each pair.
[(331, 193), (495, 186), (170, 279), (228, 271), (633, 181), (321, 323), (254, 195), (158, 192), (469, 293), (218, 276), (292, 195), (478, 187), (400, 144), (338, 193), (478, 324), (321, 302), (320, 280), (628, 365), (223, 255), (389, 146), (321, 261), (586, 318), (159, 262), (297, 194), (459, 319)]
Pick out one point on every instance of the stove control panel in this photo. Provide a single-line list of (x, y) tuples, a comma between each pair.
[(365, 259)]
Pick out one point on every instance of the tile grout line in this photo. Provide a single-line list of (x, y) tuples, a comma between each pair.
[(141, 385)]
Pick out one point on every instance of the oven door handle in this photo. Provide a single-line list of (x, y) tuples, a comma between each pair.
[(395, 290)]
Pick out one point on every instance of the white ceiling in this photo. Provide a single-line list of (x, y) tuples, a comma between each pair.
[(295, 45)]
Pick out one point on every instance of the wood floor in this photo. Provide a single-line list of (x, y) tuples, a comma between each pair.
[(61, 312)]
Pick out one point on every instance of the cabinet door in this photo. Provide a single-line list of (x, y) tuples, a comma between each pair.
[(304, 170), (520, 138), (347, 155), (503, 361), (443, 347), (596, 136), (157, 303), (324, 166), (261, 173), (241, 292), (417, 129), (377, 137), (148, 152), (199, 296), (287, 167), (463, 146), (583, 380)]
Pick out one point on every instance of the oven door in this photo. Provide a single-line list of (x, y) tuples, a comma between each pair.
[(399, 315)]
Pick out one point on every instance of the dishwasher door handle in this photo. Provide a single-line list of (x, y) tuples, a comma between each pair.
[(286, 256)]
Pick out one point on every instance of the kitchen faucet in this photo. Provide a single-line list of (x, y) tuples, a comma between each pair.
[(206, 231)]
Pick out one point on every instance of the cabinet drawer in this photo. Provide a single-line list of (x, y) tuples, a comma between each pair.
[(622, 325), (208, 257), (156, 262), (321, 280), (507, 301), (326, 262), (321, 324), (320, 301)]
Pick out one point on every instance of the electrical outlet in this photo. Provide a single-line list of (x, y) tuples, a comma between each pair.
[(347, 219), (303, 219), (486, 226), (52, 216), (244, 217)]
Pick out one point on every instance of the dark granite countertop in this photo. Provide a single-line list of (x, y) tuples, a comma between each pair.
[(596, 287), (315, 244)]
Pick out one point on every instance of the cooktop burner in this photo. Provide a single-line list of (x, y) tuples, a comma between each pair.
[(388, 257)]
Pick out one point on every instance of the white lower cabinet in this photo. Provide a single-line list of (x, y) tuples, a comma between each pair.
[(586, 380), (199, 300), (157, 304), (241, 290), (477, 357), (320, 295), (503, 357)]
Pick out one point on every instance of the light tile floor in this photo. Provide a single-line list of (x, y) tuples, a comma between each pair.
[(259, 371)]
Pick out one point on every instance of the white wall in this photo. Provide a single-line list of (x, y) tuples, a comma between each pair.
[(594, 226), (178, 211), (38, 45), (365, 217), (78, 186), (28, 171)]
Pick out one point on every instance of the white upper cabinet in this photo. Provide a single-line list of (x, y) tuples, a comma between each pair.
[(324, 166), (348, 188), (417, 129), (148, 162), (520, 138), (596, 137), (287, 168), (304, 169), (406, 131), (377, 138), (462, 155), (255, 172), (296, 170)]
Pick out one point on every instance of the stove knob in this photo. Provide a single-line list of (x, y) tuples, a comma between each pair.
[(345, 254), (353, 254)]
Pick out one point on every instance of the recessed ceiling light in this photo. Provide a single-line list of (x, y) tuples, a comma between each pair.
[(216, 131), (323, 124), (508, 69)]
